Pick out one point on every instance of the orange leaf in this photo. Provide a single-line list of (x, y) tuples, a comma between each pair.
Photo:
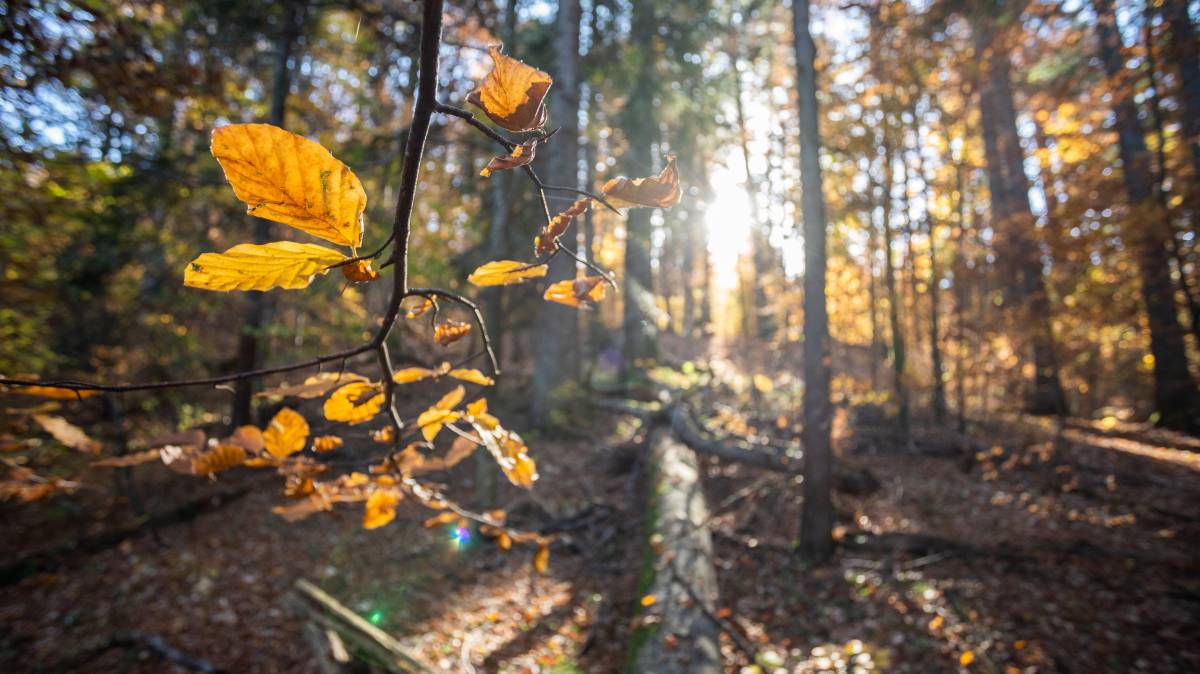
[(450, 331), (381, 508), (384, 435), (359, 271), (354, 403), (425, 305), (52, 392), (326, 443), (472, 376), (512, 93), (315, 386), (506, 272), (541, 560), (128, 460), (649, 600), (580, 292), (966, 658), (441, 518), (658, 191), (521, 155), (286, 434), (409, 375), (218, 459)]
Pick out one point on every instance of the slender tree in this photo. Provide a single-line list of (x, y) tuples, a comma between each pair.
[(816, 520)]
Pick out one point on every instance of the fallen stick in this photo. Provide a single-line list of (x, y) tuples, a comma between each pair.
[(359, 637)]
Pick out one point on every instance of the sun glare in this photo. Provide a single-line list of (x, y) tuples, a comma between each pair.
[(728, 223)]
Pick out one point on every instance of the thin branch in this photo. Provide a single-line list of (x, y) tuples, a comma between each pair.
[(483, 333), (585, 262)]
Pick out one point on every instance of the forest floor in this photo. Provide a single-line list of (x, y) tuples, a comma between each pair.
[(1019, 547)]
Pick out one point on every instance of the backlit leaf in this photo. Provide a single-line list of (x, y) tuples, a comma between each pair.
[(381, 508), (445, 517), (354, 403), (425, 305), (286, 434), (250, 266), (315, 386), (52, 392), (580, 292), (506, 272), (658, 191), (359, 271), (472, 376), (450, 331), (326, 443), (287, 178), (68, 434), (433, 419), (544, 243), (409, 375), (541, 559), (512, 93), (218, 459), (477, 412), (520, 156)]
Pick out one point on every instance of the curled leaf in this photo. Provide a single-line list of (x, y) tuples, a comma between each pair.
[(541, 559), (409, 375), (128, 460), (251, 266), (354, 403), (433, 419), (506, 272), (286, 434), (472, 376), (450, 331), (218, 459), (288, 178), (512, 93), (659, 191), (544, 243), (521, 155), (477, 412), (381, 508), (67, 433), (580, 292), (315, 386), (359, 271), (425, 305), (51, 392)]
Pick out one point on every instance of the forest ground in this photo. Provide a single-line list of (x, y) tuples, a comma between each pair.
[(1019, 547)]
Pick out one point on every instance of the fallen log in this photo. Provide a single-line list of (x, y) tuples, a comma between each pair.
[(677, 631), (337, 634)]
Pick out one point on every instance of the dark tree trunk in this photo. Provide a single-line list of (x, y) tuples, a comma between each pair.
[(816, 519), (899, 385), (1185, 55), (250, 337), (1175, 391)]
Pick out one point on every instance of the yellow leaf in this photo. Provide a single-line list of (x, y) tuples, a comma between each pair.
[(451, 399), (541, 560), (658, 191), (472, 376), (936, 623), (504, 541), (425, 305), (433, 419), (287, 178), (763, 383), (354, 403), (52, 392), (68, 434), (326, 443), (249, 266), (410, 374), (966, 658), (441, 518), (449, 332), (477, 411), (506, 272), (580, 292), (512, 93), (649, 600), (359, 272), (383, 436), (286, 434), (381, 508), (218, 459), (315, 386)]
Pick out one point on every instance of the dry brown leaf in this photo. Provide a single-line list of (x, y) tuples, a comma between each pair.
[(512, 93), (128, 460), (521, 155), (425, 305), (68, 434), (450, 331), (659, 191)]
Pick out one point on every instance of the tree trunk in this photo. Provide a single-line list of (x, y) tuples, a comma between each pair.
[(556, 325), (935, 279), (816, 519), (1018, 252), (899, 385), (1175, 392), (250, 337), (639, 325), (1185, 55)]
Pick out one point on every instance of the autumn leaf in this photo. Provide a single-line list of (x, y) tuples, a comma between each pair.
[(286, 434), (506, 272), (359, 271), (648, 600), (218, 459), (384, 436), (450, 331), (287, 178), (503, 541), (580, 292), (68, 434), (354, 403), (510, 453), (445, 517), (250, 266), (544, 242), (433, 419), (51, 392), (315, 386), (541, 559), (472, 376), (659, 191), (477, 412), (128, 460), (512, 93), (520, 155), (409, 375), (326, 443), (381, 508), (966, 658), (425, 305)]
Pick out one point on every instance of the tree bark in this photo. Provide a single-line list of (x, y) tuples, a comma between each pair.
[(899, 385), (816, 519), (1185, 55), (1018, 252), (556, 325), (1175, 393), (250, 337)]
